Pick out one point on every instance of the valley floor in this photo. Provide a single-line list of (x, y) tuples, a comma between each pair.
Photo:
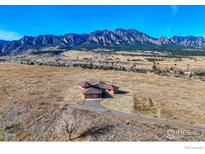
[(34, 98)]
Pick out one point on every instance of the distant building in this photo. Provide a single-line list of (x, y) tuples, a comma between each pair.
[(94, 89)]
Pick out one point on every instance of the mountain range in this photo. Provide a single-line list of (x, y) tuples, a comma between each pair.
[(119, 39)]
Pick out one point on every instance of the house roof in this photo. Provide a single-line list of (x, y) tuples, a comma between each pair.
[(94, 82), (99, 85), (110, 86), (92, 90), (85, 84)]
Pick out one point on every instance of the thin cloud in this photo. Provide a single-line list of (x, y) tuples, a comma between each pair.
[(174, 10), (8, 35)]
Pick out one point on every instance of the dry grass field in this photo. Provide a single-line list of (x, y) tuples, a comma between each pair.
[(145, 61), (175, 98)]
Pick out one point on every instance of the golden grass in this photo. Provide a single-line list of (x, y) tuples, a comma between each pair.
[(177, 98), (197, 62)]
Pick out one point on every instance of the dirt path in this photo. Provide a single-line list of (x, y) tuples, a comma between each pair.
[(162, 122), (95, 105)]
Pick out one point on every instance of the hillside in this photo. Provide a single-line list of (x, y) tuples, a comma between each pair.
[(39, 103)]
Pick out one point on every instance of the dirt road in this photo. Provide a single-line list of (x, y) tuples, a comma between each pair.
[(96, 106)]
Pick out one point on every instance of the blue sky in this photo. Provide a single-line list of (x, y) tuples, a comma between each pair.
[(17, 21)]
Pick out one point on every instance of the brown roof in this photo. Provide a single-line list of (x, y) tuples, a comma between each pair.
[(93, 82), (99, 85), (110, 86), (92, 90), (85, 84)]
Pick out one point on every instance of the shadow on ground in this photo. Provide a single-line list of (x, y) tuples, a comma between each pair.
[(106, 95), (121, 92)]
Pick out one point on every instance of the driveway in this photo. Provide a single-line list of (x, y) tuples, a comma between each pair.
[(94, 105)]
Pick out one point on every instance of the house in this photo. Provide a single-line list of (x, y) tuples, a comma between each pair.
[(84, 85), (94, 89), (112, 89), (92, 93)]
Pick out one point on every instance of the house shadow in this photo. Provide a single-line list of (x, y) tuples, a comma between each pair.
[(106, 95), (121, 92)]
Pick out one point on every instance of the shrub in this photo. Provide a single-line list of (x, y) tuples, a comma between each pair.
[(134, 60), (145, 104), (141, 103), (154, 59), (200, 73)]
